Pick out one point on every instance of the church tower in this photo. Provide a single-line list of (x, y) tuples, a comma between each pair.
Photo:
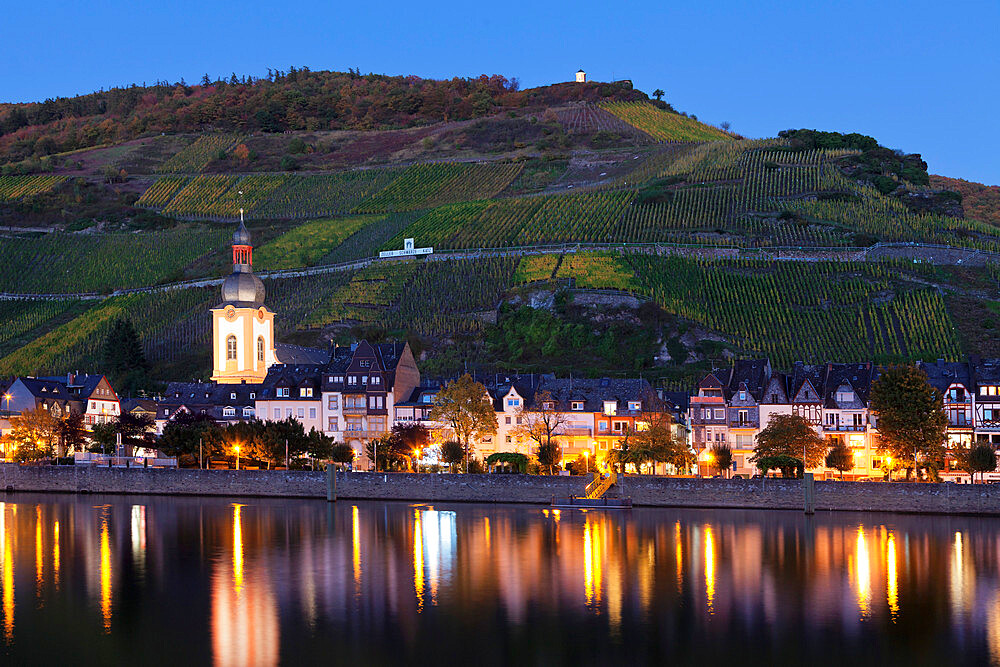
[(242, 327)]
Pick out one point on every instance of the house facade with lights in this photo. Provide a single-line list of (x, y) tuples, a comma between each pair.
[(89, 395)]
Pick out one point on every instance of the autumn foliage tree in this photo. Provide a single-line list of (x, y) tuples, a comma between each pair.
[(467, 408), (790, 435)]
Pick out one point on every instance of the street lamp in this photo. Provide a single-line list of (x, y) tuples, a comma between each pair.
[(7, 398), (586, 461), (237, 448)]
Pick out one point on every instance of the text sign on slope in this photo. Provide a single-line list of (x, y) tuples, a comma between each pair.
[(407, 250)]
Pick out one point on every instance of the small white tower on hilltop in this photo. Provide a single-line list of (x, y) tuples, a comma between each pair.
[(581, 76)]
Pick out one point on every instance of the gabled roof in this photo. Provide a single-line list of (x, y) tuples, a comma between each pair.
[(300, 375), (751, 374), (594, 392), (203, 394), (857, 376)]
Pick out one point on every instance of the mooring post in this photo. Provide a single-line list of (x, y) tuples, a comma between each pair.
[(331, 484), (809, 492)]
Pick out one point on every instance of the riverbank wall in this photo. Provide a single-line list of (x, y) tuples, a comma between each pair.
[(983, 499)]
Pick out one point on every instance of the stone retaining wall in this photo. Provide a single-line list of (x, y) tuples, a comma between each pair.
[(648, 491)]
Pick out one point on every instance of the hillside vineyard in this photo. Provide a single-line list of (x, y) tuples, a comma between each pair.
[(607, 213)]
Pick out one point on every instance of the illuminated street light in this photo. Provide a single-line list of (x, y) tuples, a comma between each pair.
[(237, 448), (586, 461)]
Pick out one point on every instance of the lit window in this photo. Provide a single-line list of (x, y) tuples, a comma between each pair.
[(577, 405)]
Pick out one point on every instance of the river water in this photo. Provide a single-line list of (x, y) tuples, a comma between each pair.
[(109, 580)]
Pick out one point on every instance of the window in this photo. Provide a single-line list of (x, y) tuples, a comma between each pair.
[(610, 407), (332, 402), (277, 414), (93, 405), (332, 424), (603, 444), (354, 424), (603, 425), (253, 395), (288, 413), (720, 413), (507, 420), (231, 348), (831, 418), (548, 405), (744, 416), (248, 412), (577, 405), (232, 396), (518, 421), (376, 402), (305, 392), (364, 379), (282, 392), (312, 413), (634, 406), (428, 398), (376, 424), (508, 439), (743, 396), (260, 349), (352, 379), (365, 363), (301, 413), (339, 379), (859, 419), (513, 402), (376, 380), (617, 426)]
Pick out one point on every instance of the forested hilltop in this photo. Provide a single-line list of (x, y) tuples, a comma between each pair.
[(593, 227)]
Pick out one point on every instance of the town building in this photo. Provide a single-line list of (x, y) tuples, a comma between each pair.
[(89, 395)]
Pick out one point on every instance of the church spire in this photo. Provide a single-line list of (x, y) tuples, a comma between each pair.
[(242, 248)]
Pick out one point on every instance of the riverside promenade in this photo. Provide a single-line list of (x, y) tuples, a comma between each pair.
[(978, 499)]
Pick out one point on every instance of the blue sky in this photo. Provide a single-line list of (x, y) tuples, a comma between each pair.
[(916, 75)]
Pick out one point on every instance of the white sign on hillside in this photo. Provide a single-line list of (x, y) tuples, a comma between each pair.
[(407, 250)]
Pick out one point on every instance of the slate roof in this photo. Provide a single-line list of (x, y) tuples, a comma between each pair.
[(296, 354), (593, 393), (754, 373), (206, 397), (293, 376), (942, 374)]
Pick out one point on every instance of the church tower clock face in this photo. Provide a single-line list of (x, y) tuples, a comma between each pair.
[(260, 314), (230, 313)]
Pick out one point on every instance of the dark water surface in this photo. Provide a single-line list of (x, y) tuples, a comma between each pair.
[(142, 580)]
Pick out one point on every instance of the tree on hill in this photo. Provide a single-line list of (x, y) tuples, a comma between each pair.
[(124, 362), (467, 408), (910, 417), (790, 435), (658, 94), (841, 458)]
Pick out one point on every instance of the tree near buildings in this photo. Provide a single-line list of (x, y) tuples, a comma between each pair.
[(31, 436), (342, 452), (540, 424), (653, 440), (466, 406), (910, 417), (722, 457), (841, 458), (72, 434), (790, 435), (451, 452), (191, 435), (981, 458)]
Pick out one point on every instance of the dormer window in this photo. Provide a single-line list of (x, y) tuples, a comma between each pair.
[(282, 392), (376, 380), (633, 406), (339, 379), (305, 392), (229, 412), (610, 407), (365, 363), (513, 402), (364, 379), (743, 396), (232, 396), (352, 379), (576, 405), (548, 405), (253, 395)]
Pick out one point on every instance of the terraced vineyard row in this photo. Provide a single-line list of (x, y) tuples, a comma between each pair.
[(663, 125), (21, 319), (78, 342), (323, 195), (371, 289), (427, 185), (582, 118), (824, 317), (58, 263), (533, 268), (597, 271), (159, 194), (196, 156), (14, 187), (309, 242), (521, 222)]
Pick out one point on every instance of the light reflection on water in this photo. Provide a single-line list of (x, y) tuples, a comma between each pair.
[(267, 582)]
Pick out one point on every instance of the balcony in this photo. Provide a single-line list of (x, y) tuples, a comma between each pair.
[(844, 428), (355, 410), (575, 431), (736, 423), (361, 435)]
